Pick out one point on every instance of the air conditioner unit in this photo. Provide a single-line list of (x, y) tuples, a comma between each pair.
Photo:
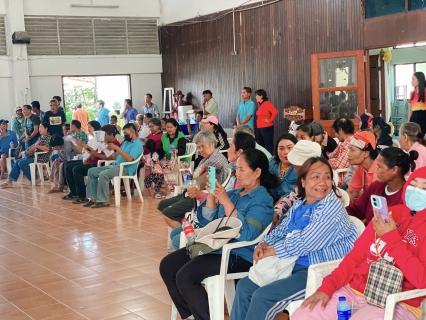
[(20, 37)]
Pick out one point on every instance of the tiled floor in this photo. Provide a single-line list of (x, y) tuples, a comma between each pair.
[(64, 261)]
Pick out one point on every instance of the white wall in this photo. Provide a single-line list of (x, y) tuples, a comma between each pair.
[(178, 10)]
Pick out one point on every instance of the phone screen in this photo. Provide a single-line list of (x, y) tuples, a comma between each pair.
[(212, 178)]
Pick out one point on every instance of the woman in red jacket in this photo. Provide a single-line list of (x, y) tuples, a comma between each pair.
[(401, 241), (266, 114)]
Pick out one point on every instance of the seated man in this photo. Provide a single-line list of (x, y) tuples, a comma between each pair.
[(130, 150), (8, 139), (76, 131)]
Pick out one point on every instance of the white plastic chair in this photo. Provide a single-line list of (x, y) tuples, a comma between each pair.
[(190, 151), (105, 162), (126, 181), (39, 166), (345, 199), (9, 160), (336, 175), (223, 284), (223, 151), (317, 272)]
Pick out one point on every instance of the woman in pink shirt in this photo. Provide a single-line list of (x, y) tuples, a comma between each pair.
[(412, 138)]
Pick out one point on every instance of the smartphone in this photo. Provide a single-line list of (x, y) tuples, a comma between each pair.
[(212, 178), (381, 205)]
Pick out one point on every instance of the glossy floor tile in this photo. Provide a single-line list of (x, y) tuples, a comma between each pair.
[(63, 261)]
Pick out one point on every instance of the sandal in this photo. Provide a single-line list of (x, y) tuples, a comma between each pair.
[(98, 205), (54, 190), (80, 200), (69, 196), (89, 203), (6, 185)]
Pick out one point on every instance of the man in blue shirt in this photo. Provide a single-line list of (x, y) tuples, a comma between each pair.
[(192, 132), (8, 139), (103, 113), (129, 113), (98, 178), (246, 109)]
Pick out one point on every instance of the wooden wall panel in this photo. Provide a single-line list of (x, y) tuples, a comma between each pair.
[(274, 45)]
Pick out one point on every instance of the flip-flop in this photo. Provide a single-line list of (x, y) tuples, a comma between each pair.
[(89, 203), (68, 197), (8, 185), (98, 205), (80, 200)]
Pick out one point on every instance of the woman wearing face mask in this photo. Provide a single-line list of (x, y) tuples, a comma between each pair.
[(402, 241), (417, 100), (280, 167), (392, 165), (304, 132)]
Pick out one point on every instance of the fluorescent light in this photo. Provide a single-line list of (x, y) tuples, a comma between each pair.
[(420, 44), (405, 46), (93, 6)]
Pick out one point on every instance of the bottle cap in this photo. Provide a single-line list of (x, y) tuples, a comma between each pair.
[(342, 298), (184, 220)]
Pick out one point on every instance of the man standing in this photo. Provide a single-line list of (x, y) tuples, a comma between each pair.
[(8, 139), (129, 113), (82, 116), (210, 107), (35, 107), (98, 178), (150, 107), (55, 118), (246, 109), (103, 113), (59, 99)]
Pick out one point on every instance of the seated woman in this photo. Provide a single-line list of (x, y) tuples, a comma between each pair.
[(42, 144), (392, 165), (174, 209), (382, 132), (304, 132), (280, 167), (338, 159), (66, 152), (327, 143), (321, 232), (172, 145), (252, 205), (75, 171), (411, 138), (211, 124), (401, 241), (362, 154), (241, 141)]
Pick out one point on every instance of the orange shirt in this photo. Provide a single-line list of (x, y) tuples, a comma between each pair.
[(268, 111), (82, 116), (417, 105), (362, 177)]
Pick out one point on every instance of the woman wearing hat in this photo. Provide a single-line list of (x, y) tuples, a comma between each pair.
[(327, 143), (18, 123), (362, 154)]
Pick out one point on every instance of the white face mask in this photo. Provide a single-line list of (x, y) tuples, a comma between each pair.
[(415, 198)]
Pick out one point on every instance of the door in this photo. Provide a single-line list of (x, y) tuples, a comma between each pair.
[(338, 87), (377, 87)]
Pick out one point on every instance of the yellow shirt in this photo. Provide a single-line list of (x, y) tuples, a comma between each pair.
[(283, 169)]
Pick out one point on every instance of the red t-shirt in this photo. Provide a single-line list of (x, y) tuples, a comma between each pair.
[(157, 138), (266, 110), (94, 160)]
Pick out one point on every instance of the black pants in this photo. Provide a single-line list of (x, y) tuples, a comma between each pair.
[(176, 207), (419, 117), (183, 278), (265, 137), (75, 171)]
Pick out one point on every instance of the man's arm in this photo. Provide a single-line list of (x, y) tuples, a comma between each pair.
[(246, 119), (123, 114), (237, 118)]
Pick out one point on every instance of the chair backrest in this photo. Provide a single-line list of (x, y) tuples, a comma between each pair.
[(360, 227), (228, 176), (190, 148), (345, 199), (223, 151)]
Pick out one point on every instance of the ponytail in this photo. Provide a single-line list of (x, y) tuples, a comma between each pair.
[(393, 156)]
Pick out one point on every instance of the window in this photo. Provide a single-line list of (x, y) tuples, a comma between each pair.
[(91, 36), (3, 48), (378, 8), (403, 73)]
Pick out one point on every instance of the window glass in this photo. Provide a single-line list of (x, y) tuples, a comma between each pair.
[(334, 105), (403, 73), (337, 72), (416, 4), (377, 8)]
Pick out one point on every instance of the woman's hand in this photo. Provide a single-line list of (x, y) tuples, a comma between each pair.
[(266, 120), (276, 221), (258, 251), (268, 252), (380, 226), (313, 300), (220, 193), (193, 192)]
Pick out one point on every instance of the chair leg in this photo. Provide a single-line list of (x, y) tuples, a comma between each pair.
[(229, 294), (169, 241), (174, 312), (117, 191), (33, 173), (216, 295), (40, 172), (127, 188), (138, 187)]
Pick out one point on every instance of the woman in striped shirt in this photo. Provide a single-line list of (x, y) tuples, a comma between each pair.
[(320, 231)]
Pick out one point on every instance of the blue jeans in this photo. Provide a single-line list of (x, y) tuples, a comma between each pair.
[(21, 164), (26, 145), (253, 302), (54, 157), (175, 237), (98, 181)]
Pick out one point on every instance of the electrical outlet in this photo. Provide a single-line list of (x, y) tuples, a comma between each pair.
[(234, 53)]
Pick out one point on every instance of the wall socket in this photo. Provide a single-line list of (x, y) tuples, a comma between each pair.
[(234, 53)]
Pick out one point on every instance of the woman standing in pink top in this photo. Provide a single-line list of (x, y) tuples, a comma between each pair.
[(417, 100), (411, 138)]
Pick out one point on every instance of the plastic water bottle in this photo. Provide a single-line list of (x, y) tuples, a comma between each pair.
[(343, 309), (187, 179), (12, 146), (188, 229)]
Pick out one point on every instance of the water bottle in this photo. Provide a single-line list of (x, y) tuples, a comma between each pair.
[(188, 229), (187, 179), (171, 149), (343, 309), (12, 146)]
